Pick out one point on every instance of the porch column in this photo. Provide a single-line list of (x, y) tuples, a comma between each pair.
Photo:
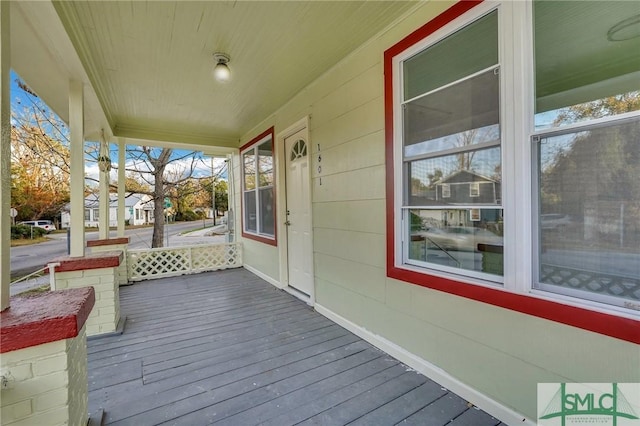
[(103, 202), (76, 130), (5, 157), (121, 188)]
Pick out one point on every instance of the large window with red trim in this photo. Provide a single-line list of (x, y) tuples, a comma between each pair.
[(513, 158), (258, 189)]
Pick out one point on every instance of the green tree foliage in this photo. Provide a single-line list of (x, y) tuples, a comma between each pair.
[(39, 170), (604, 107)]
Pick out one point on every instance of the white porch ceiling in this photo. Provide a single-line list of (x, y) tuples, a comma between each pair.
[(150, 62)]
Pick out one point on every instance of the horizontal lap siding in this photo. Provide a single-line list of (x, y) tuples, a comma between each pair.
[(501, 353)]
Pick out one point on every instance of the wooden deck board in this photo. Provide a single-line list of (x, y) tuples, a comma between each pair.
[(228, 348)]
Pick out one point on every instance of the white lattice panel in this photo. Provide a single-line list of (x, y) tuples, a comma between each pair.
[(210, 258), (164, 262)]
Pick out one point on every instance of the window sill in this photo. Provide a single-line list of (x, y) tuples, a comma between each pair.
[(266, 240)]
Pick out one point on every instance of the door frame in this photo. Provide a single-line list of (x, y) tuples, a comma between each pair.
[(281, 192)]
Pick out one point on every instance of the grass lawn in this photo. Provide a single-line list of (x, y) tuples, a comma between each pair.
[(28, 241)]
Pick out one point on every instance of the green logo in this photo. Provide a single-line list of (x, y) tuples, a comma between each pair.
[(588, 403)]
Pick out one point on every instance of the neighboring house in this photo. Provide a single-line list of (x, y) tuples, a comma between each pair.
[(138, 210), (467, 187)]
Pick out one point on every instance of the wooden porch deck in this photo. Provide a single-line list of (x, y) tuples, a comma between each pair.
[(228, 348)]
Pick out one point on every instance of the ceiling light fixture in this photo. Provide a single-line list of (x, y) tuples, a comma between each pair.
[(221, 71), (625, 30)]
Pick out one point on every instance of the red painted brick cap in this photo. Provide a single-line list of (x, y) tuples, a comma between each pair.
[(107, 259), (47, 317), (108, 242)]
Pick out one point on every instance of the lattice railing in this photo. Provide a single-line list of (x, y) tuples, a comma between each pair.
[(146, 264), (595, 282)]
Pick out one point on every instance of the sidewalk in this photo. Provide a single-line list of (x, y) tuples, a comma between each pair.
[(210, 235)]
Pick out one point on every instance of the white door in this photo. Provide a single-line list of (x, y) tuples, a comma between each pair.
[(298, 219)]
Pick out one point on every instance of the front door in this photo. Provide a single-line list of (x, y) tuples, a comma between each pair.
[(298, 220)]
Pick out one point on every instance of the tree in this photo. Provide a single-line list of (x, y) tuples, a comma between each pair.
[(434, 178), (39, 165), (221, 191), (465, 140), (222, 196), (168, 173), (602, 164), (611, 105), (133, 185)]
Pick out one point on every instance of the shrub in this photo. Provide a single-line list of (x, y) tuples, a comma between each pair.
[(186, 216), (22, 232)]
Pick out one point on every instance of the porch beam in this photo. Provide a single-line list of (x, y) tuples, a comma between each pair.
[(76, 130), (5, 157), (121, 188)]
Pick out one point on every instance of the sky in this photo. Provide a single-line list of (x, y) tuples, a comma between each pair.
[(20, 98)]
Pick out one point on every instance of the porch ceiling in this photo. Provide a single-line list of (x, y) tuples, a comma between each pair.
[(150, 62)]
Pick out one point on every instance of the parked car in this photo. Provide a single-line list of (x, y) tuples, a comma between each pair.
[(460, 238), (47, 225), (556, 221)]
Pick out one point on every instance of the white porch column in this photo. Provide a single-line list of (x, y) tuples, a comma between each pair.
[(5, 157), (121, 181), (76, 130), (103, 201)]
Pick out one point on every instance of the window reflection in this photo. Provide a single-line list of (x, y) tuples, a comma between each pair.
[(265, 164), (589, 215), (470, 177), (468, 239), (249, 161)]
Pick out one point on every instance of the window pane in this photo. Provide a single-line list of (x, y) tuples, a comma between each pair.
[(586, 60), (461, 115), (250, 217), (267, 223), (589, 217), (463, 53), (449, 179), (265, 163), (249, 170), (469, 239)]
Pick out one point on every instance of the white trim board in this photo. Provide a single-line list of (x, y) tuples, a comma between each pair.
[(300, 295), (292, 291), (429, 370)]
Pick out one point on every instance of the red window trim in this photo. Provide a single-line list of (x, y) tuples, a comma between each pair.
[(608, 324), (266, 240)]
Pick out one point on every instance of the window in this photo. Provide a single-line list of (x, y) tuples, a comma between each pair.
[(568, 237), (87, 215), (587, 175), (258, 190), (96, 214), (446, 190), (474, 189), (451, 140)]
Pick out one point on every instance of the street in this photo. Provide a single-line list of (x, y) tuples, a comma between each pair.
[(27, 259)]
